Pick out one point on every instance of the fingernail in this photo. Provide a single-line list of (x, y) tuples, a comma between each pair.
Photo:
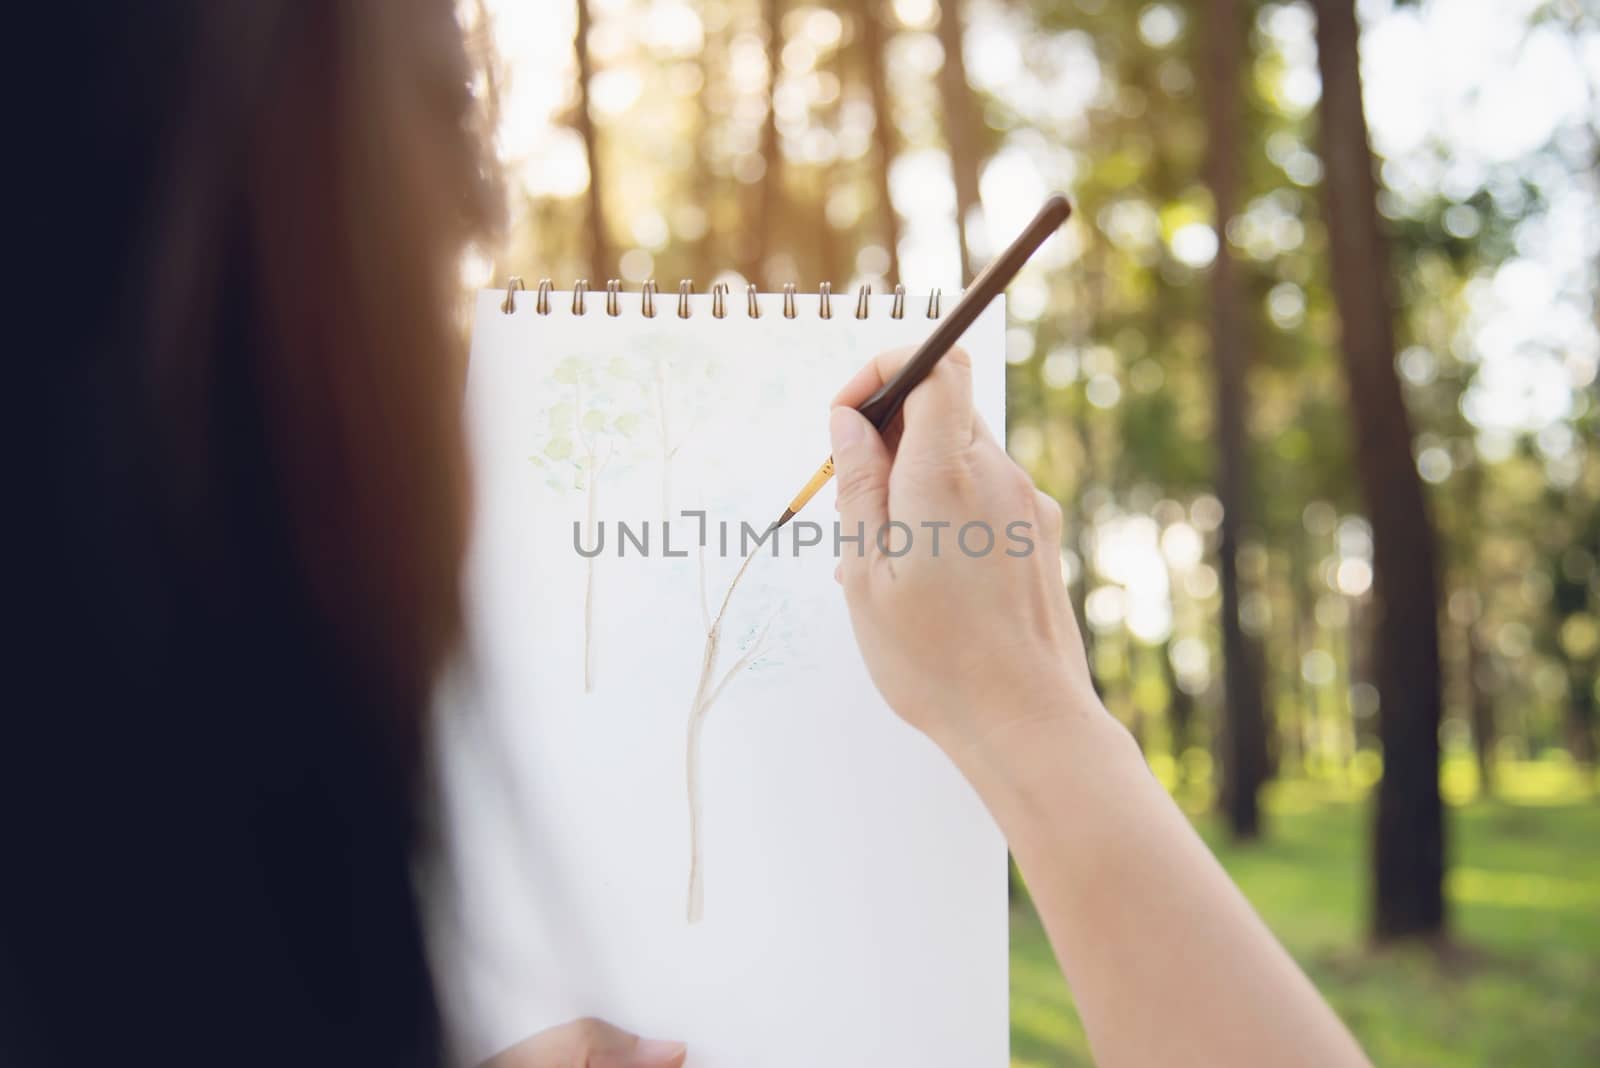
[(657, 1053), (844, 427)]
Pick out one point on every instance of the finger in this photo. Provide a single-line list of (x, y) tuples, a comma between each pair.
[(938, 412), (870, 378), (646, 1053), (867, 381), (990, 457), (941, 405), (982, 433), (590, 1043), (1044, 506), (1049, 512), (861, 465)]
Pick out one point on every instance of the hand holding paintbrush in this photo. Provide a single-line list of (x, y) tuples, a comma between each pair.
[(884, 405), (980, 651)]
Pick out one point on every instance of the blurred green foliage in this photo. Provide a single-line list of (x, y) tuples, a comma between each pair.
[(1524, 889), (754, 140)]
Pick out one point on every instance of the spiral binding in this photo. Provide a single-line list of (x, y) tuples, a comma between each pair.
[(648, 291)]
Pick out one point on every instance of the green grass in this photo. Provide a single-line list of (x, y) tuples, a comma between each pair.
[(1524, 894)]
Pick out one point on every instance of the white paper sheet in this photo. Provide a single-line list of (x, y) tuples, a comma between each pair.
[(854, 889)]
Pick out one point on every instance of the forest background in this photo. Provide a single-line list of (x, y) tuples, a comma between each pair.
[(1312, 373)]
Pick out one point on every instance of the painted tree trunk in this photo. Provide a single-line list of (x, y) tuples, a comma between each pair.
[(1408, 846), (664, 428), (591, 512), (697, 718), (706, 693)]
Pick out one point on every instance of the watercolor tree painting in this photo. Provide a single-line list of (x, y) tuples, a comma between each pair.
[(692, 385), (708, 690), (593, 429), (672, 430), (682, 386), (614, 412)]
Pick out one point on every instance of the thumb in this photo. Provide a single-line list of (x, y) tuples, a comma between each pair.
[(589, 1043), (646, 1053), (861, 464)]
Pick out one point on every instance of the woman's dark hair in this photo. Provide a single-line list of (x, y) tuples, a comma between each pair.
[(243, 514)]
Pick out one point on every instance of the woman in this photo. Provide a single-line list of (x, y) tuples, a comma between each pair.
[(239, 567)]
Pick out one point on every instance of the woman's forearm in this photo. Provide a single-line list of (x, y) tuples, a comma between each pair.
[(1167, 962)]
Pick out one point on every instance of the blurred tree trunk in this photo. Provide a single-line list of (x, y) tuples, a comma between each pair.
[(1476, 677), (1581, 709), (874, 41), (1133, 713), (1570, 600), (962, 127), (1180, 706), (1299, 689), (703, 251), (829, 245), (600, 265), (1306, 612), (1244, 725), (769, 191), (1093, 286), (1408, 880), (480, 43), (1480, 707), (1359, 652)]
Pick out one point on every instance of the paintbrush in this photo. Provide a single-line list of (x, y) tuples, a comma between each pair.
[(885, 404)]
